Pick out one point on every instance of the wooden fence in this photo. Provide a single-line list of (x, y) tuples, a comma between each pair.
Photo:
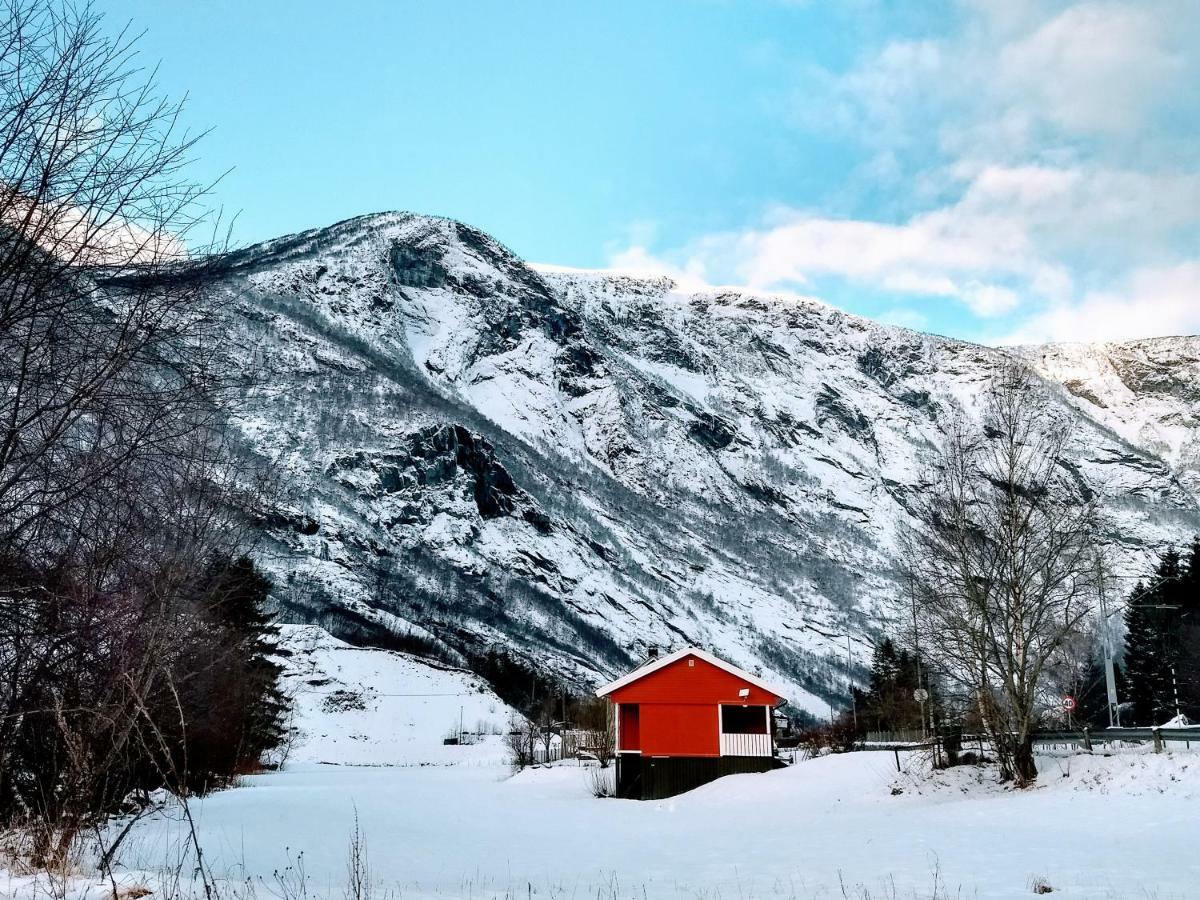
[(898, 736)]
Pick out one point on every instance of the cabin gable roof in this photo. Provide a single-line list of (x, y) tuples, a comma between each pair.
[(672, 658)]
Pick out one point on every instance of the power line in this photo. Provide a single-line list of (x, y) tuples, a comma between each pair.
[(381, 694)]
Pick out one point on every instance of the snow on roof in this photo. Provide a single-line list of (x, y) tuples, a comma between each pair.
[(664, 661)]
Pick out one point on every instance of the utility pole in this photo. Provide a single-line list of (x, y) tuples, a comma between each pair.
[(1175, 685), (829, 675), (1110, 676), (850, 684), (912, 596)]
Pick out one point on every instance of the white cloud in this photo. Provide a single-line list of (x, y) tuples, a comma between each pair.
[(1009, 16), (1040, 151), (91, 237), (1151, 302), (1000, 248), (876, 95), (1095, 67), (977, 250), (905, 317), (990, 300), (1018, 78), (637, 260)]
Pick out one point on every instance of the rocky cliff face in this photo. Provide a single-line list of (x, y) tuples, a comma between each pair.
[(575, 465), (1148, 392)]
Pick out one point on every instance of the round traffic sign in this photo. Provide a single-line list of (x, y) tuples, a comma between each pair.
[(1068, 703), (920, 695)]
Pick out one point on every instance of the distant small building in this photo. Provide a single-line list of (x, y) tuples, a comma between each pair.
[(688, 718)]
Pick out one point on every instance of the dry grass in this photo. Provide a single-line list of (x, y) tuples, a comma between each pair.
[(602, 781)]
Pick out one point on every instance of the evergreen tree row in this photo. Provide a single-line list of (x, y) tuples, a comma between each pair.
[(1162, 642), (113, 693), (889, 703)]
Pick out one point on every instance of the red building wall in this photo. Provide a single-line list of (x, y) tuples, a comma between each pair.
[(678, 713), (681, 729)]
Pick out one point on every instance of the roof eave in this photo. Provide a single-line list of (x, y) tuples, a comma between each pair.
[(642, 671)]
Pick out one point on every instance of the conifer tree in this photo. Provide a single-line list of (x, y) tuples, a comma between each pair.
[(238, 603), (1154, 639), (884, 667), (1141, 645), (1187, 662), (228, 675), (1191, 576), (888, 703)]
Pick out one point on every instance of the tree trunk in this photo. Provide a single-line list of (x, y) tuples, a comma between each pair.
[(1005, 757), (1025, 769)]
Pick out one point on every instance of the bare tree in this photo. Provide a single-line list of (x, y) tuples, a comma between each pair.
[(594, 718), (548, 725), (521, 741), (103, 333), (1002, 563), (117, 484)]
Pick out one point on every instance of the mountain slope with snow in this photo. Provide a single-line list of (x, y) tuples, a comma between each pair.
[(570, 466), (361, 706), (1147, 391)]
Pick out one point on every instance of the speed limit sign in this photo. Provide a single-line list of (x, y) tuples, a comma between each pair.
[(1068, 703)]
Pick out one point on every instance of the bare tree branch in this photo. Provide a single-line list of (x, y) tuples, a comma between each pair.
[(1002, 562)]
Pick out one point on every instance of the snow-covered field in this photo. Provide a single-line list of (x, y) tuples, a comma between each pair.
[(445, 821), (1116, 828)]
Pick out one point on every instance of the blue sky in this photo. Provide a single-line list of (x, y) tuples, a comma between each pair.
[(992, 169)]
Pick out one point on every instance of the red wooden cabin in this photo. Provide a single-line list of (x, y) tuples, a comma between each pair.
[(687, 718)]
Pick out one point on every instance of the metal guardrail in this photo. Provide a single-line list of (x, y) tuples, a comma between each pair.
[(1124, 734), (1079, 735), (1085, 738)]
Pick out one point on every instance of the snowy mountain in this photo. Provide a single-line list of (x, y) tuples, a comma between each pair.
[(571, 466), (1146, 391)]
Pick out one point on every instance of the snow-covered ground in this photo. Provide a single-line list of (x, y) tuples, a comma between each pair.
[(453, 821), (357, 706), (1119, 827)]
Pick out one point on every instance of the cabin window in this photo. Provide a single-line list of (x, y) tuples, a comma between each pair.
[(744, 719)]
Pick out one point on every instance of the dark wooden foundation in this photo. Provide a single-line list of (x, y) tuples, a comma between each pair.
[(657, 777)]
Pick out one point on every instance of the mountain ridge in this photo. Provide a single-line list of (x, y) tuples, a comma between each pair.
[(572, 466)]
